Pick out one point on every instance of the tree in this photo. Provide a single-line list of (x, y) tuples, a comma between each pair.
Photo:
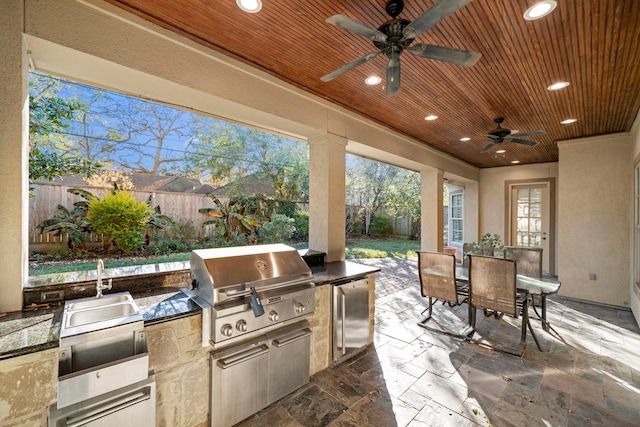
[(368, 185), (49, 114), (223, 153)]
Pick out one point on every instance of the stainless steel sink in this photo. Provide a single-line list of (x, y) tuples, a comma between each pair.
[(93, 314), (103, 347), (100, 314), (81, 304)]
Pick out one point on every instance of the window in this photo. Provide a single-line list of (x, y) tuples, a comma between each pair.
[(456, 217)]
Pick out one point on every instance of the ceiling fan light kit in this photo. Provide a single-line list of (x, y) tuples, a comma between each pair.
[(396, 35), (500, 135)]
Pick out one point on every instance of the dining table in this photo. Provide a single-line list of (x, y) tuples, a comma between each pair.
[(541, 286)]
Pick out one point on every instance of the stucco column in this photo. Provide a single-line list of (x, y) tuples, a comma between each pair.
[(431, 216), (327, 154), (14, 143)]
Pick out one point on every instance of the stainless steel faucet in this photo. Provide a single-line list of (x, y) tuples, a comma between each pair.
[(99, 286)]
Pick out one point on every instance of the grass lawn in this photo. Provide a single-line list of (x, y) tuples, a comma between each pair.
[(356, 248)]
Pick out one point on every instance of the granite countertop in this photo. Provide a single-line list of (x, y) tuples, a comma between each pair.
[(340, 270), (25, 332)]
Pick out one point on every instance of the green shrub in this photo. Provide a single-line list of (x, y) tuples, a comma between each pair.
[(301, 222), (288, 208), (121, 219), (380, 225), (280, 228)]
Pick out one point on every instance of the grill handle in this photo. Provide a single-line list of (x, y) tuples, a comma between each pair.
[(243, 356), (292, 338)]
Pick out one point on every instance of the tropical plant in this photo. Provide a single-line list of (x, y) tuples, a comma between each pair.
[(121, 219), (231, 219), (74, 222), (157, 220)]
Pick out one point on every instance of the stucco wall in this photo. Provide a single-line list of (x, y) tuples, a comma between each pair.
[(595, 177), (492, 196)]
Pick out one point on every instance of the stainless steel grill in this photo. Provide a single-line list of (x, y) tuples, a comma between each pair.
[(250, 290), (254, 300)]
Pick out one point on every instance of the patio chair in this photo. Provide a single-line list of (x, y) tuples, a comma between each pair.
[(529, 259), (437, 272), (492, 286)]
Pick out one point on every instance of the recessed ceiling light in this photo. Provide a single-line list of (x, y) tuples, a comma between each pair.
[(558, 85), (372, 80), (432, 117), (568, 121), (500, 151), (540, 9), (465, 139), (251, 6), (515, 161)]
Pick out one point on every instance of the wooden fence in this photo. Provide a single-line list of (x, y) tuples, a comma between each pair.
[(179, 206), (43, 206)]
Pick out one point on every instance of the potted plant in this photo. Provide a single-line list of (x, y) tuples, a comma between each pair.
[(490, 245)]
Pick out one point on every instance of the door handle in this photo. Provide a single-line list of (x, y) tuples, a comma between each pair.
[(109, 408), (343, 298), (288, 340), (243, 356)]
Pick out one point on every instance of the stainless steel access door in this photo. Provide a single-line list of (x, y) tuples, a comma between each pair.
[(289, 359), (239, 382), (131, 406), (350, 319)]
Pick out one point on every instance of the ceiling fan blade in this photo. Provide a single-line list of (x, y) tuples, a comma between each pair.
[(430, 17), (533, 132), (351, 65), (393, 74), (357, 27), (491, 136), (488, 147), (523, 141), (446, 54)]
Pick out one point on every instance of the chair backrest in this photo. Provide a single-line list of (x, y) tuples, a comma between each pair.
[(437, 273), (529, 259), (492, 283)]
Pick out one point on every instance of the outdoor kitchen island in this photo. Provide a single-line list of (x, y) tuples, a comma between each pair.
[(173, 324)]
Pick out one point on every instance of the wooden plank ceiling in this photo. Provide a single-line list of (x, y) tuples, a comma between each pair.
[(593, 44)]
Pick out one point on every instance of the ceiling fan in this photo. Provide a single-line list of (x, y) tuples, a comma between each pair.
[(500, 134), (395, 36)]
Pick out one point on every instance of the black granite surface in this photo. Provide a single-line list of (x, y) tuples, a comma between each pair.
[(30, 331), (338, 271), (24, 332)]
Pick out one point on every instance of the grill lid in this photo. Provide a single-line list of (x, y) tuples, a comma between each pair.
[(232, 271)]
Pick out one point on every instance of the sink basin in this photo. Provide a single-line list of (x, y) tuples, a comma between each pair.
[(93, 314), (81, 304), (100, 314)]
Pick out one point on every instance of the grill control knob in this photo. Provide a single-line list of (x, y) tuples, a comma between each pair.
[(241, 325), (273, 316), (300, 308), (227, 330)]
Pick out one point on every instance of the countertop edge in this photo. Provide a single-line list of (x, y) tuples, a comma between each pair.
[(158, 306)]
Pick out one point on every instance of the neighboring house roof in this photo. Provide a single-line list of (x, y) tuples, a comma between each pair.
[(148, 182), (247, 185)]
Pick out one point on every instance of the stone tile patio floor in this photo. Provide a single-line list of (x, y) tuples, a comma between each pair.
[(588, 374)]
